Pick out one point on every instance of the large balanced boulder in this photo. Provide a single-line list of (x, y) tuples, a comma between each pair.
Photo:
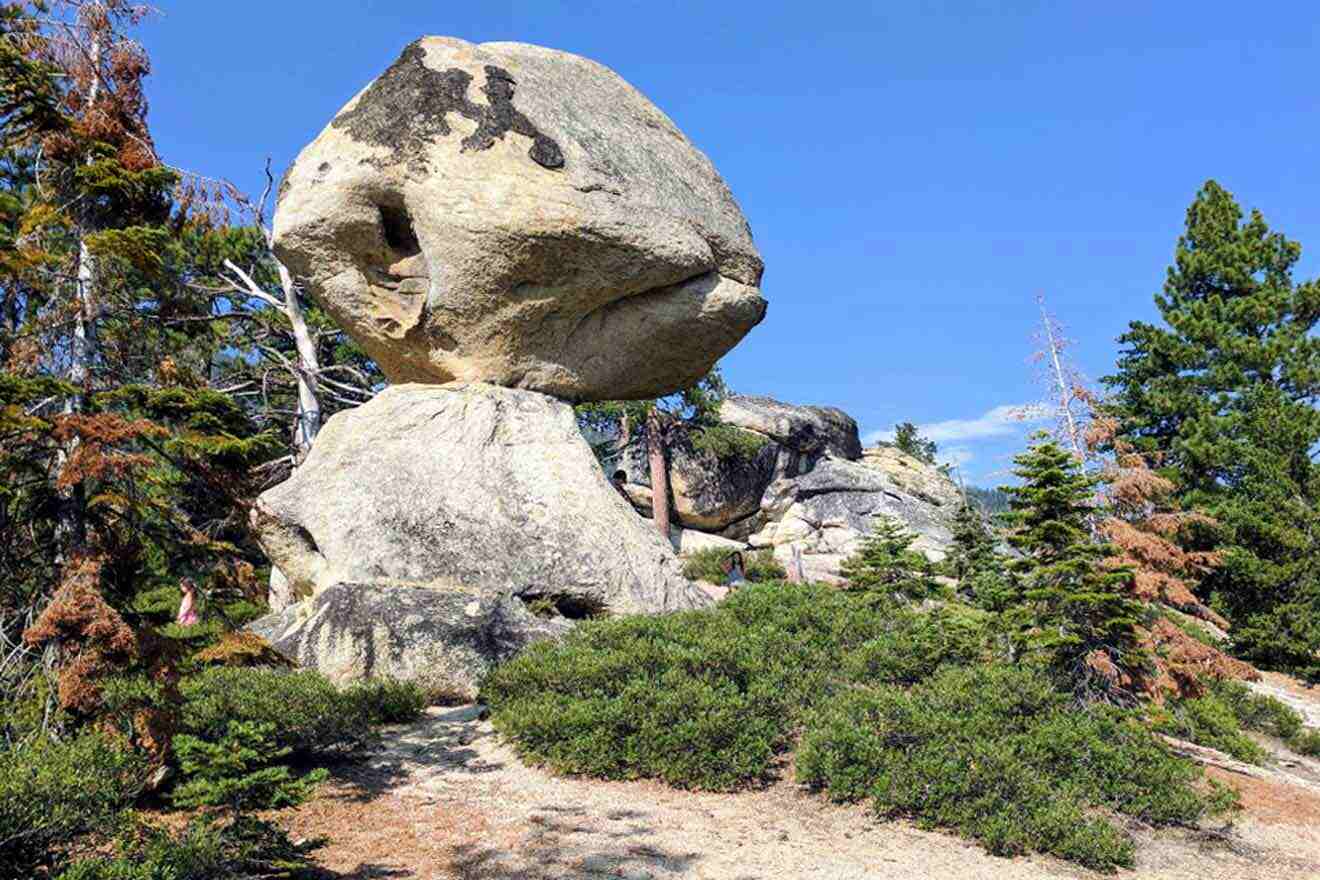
[(472, 488), (520, 216)]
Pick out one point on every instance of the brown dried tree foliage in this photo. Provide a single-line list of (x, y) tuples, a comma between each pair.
[(1143, 525), (93, 642), (1182, 666)]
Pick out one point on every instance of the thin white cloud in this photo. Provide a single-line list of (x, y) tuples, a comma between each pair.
[(955, 455), (1000, 421)]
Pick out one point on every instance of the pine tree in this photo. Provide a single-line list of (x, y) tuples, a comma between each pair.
[(661, 420), (886, 565), (908, 438), (1072, 609), (122, 468), (973, 549), (1222, 395)]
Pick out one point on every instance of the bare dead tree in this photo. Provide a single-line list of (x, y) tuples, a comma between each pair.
[(1067, 387)]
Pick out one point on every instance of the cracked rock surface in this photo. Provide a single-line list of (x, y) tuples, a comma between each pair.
[(517, 215)]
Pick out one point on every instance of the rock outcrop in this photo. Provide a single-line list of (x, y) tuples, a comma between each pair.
[(441, 639), (810, 492), (471, 488), (452, 510), (511, 214)]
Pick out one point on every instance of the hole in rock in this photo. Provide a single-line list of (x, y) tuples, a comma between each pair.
[(399, 232), (561, 605)]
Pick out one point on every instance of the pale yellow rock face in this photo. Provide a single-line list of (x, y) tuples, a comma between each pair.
[(511, 214)]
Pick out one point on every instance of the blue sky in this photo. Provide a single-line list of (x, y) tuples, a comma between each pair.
[(914, 173)]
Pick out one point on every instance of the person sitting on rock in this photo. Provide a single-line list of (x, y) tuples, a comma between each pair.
[(618, 480), (734, 570)]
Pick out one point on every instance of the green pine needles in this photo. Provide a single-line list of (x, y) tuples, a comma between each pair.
[(1071, 608), (886, 565), (1222, 397)]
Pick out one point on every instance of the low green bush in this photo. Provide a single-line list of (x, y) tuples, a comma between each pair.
[(309, 714), (703, 699), (728, 441), (385, 701), (52, 793), (246, 849), (998, 753), (707, 564), (1306, 742), (918, 711), (1209, 720), (1258, 711), (241, 771)]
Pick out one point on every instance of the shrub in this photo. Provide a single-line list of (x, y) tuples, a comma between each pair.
[(1258, 711), (999, 754), (1306, 742), (52, 793), (707, 564), (704, 699), (907, 708), (727, 441), (245, 849), (308, 713), (241, 771), (1209, 720), (385, 701)]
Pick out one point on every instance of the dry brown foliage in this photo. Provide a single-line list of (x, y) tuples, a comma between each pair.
[(242, 649), (92, 642)]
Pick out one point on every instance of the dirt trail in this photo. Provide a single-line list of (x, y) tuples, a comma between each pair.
[(445, 798)]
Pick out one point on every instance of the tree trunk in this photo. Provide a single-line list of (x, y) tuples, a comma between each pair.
[(309, 404), (71, 528), (655, 450)]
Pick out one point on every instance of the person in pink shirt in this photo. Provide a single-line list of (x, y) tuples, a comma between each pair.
[(188, 607)]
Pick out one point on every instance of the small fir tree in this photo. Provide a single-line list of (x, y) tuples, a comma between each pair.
[(973, 549), (241, 772), (886, 565), (1073, 609), (909, 439)]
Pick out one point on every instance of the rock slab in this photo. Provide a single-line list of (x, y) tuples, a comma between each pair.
[(433, 499), (442, 640), (517, 215)]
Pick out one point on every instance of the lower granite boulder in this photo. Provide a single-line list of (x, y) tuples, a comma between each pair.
[(444, 641), (436, 529)]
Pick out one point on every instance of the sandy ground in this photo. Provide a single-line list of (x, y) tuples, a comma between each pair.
[(444, 798)]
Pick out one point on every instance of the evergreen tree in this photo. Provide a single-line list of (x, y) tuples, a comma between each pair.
[(909, 439), (974, 561), (1222, 395), (121, 467), (886, 565), (1071, 608), (693, 410), (973, 549)]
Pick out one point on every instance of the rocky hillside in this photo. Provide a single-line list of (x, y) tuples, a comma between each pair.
[(800, 483)]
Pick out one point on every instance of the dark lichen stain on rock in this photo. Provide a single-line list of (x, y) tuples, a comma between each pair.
[(406, 107)]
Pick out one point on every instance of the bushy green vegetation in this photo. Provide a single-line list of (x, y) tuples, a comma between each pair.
[(309, 714), (920, 712), (242, 770), (727, 441), (52, 793), (246, 849), (1218, 718), (707, 564), (1000, 754)]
